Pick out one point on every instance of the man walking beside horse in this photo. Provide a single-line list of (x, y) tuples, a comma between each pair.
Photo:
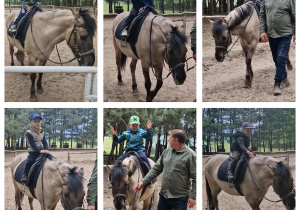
[(277, 22), (178, 164)]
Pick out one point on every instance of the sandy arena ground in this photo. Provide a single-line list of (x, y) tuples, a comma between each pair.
[(57, 87), (224, 81), (169, 91), (108, 197), (85, 161), (229, 202)]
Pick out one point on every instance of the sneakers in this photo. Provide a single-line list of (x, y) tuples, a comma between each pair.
[(24, 179), (230, 174), (124, 33), (13, 29), (277, 90)]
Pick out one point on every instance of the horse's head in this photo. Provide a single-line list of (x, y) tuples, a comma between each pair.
[(283, 184), (175, 53), (79, 37), (222, 38), (72, 192), (120, 179)]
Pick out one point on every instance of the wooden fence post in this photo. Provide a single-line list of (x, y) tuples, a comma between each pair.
[(69, 155)]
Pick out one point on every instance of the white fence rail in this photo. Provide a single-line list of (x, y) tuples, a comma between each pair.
[(88, 94)]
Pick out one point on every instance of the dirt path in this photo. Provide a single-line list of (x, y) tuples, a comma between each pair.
[(229, 202), (169, 91), (57, 87), (85, 161), (224, 81)]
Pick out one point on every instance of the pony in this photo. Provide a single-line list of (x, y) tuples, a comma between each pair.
[(124, 176), (262, 172), (58, 181), (159, 41), (243, 22), (48, 29)]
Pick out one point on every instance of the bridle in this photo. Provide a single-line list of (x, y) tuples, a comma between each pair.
[(78, 55), (165, 58)]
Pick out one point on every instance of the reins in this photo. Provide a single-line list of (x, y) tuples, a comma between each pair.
[(165, 59), (78, 55)]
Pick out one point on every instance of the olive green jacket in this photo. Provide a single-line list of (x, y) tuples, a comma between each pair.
[(92, 187), (277, 18)]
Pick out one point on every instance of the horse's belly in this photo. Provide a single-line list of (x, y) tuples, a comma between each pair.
[(126, 50), (228, 188)]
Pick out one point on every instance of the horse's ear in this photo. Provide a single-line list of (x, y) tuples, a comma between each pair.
[(81, 172), (211, 22), (75, 14), (286, 161), (109, 168)]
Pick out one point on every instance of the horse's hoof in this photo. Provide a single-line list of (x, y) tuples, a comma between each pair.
[(149, 99), (12, 64), (33, 98), (25, 74), (136, 92), (121, 83), (40, 90), (290, 67)]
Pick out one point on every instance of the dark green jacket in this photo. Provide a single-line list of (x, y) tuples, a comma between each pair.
[(240, 142), (277, 18), (193, 37), (92, 187)]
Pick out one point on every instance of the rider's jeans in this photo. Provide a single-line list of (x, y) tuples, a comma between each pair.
[(280, 48), (32, 156), (172, 203), (21, 14)]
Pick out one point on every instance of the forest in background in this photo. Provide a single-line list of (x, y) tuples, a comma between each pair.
[(274, 128), (163, 120), (64, 128)]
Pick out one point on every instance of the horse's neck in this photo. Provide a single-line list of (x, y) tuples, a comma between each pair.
[(53, 25)]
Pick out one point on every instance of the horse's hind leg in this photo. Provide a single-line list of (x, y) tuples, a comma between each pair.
[(33, 97), (30, 200), (11, 51), (40, 89), (289, 64), (120, 61), (18, 197), (133, 68)]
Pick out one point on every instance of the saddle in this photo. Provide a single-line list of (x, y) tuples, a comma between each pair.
[(239, 171), (23, 25), (34, 171), (143, 167), (134, 28)]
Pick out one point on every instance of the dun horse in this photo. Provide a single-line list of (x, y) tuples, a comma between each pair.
[(243, 22), (59, 182), (124, 176), (50, 28), (261, 173), (167, 44)]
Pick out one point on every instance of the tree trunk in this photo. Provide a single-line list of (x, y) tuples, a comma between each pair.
[(211, 7), (228, 6)]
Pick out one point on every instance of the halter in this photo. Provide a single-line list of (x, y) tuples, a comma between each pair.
[(78, 56), (165, 58)]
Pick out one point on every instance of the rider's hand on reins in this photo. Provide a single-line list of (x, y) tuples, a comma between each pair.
[(139, 187)]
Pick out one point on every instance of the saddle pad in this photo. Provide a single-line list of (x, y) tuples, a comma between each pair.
[(24, 24)]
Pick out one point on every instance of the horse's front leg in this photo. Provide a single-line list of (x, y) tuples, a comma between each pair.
[(33, 97), (133, 68), (145, 68), (40, 89), (11, 51), (30, 200), (159, 80), (249, 51), (289, 64)]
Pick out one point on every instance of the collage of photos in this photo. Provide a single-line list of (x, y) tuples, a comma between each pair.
[(73, 142)]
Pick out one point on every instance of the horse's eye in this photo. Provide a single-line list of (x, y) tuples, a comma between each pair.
[(83, 37), (224, 37), (171, 52)]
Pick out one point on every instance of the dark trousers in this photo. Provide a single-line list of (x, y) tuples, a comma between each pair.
[(280, 48), (142, 155), (234, 160), (133, 13), (21, 14), (172, 203), (31, 158)]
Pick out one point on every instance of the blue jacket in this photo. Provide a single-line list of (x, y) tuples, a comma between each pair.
[(135, 139), (137, 4)]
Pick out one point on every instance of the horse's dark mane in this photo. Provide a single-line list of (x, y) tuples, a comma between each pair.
[(218, 27), (75, 181), (283, 180), (176, 37), (242, 12), (118, 171), (90, 23)]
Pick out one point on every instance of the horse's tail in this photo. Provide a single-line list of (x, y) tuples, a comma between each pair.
[(209, 196), (123, 61)]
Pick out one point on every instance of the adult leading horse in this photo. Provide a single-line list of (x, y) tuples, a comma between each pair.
[(167, 44), (243, 21), (124, 176), (50, 28), (57, 182), (261, 173)]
